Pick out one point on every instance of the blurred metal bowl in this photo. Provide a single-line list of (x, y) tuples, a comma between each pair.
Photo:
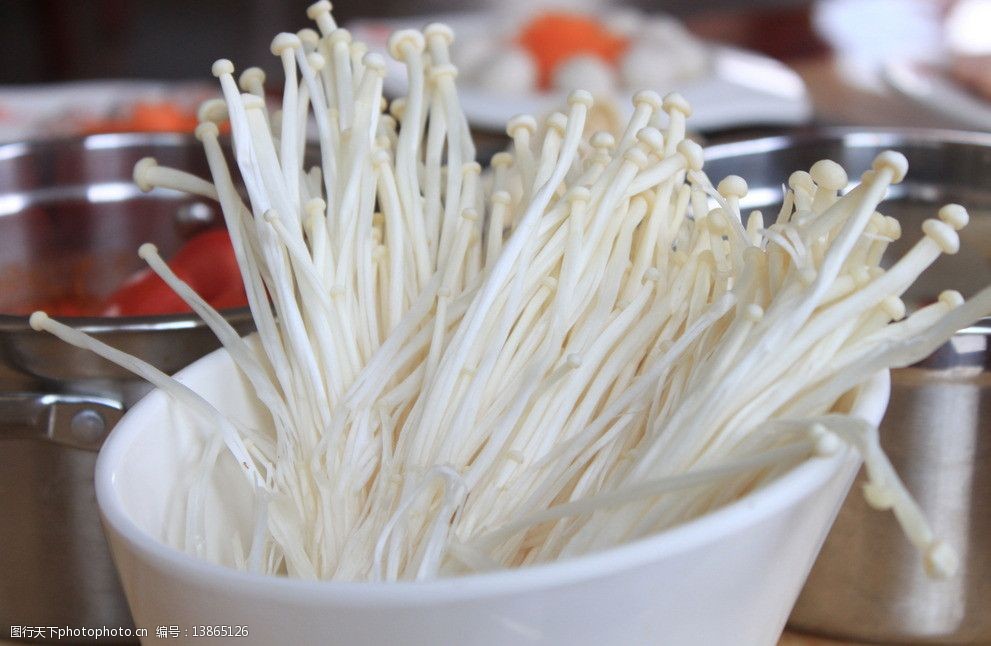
[(71, 220), (868, 583)]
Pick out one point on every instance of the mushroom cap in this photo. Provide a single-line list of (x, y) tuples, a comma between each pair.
[(828, 175), (250, 77), (403, 38), (692, 152), (893, 161), (284, 42), (222, 66), (510, 70), (733, 186), (318, 9), (954, 215)]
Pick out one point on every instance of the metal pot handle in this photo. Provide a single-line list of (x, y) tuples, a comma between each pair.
[(77, 421)]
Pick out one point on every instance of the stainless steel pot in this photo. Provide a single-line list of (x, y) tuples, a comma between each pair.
[(56, 404), (72, 219), (868, 584)]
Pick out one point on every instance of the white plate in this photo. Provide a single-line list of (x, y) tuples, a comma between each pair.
[(62, 109), (935, 89), (739, 88)]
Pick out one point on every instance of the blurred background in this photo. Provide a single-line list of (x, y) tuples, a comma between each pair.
[(862, 62), (56, 40)]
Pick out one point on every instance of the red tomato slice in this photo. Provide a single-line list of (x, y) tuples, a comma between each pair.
[(206, 262), (556, 36), (143, 294)]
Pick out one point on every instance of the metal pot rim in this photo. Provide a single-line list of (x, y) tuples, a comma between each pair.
[(848, 134), (97, 141), (103, 324), (874, 136)]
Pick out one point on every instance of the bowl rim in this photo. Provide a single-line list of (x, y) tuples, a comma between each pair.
[(799, 482)]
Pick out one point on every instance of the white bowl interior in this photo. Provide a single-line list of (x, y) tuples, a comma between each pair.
[(153, 472), (774, 532)]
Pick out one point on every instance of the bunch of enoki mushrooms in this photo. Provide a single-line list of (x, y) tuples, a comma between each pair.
[(586, 343)]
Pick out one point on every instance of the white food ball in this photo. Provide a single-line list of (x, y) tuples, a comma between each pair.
[(661, 65), (646, 66), (694, 57), (662, 29), (510, 70), (585, 73), (472, 54)]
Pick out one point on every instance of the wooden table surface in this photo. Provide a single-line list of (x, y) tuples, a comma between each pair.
[(838, 101), (788, 639), (796, 639)]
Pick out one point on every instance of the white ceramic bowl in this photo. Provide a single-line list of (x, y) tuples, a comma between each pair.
[(729, 577)]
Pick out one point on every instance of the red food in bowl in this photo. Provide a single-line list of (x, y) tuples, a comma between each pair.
[(206, 262)]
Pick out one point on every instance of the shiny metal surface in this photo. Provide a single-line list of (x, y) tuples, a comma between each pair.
[(71, 221), (57, 570), (70, 420), (868, 583)]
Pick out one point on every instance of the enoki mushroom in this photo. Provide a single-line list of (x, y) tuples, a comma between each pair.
[(586, 344)]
